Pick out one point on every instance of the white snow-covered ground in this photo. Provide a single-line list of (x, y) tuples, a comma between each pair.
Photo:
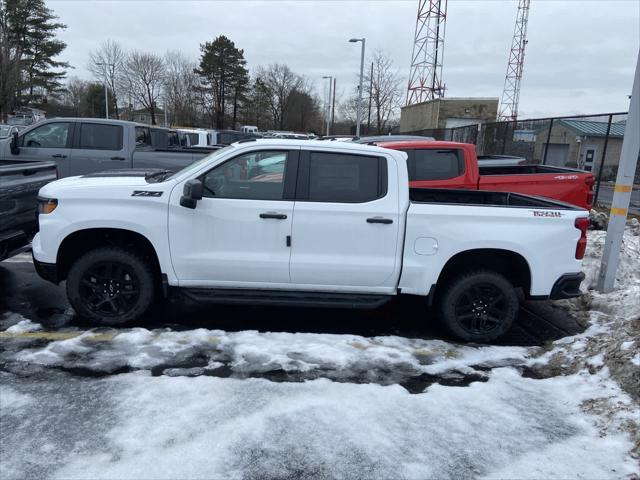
[(215, 404)]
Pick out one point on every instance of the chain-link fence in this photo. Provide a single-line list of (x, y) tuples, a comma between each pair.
[(587, 142)]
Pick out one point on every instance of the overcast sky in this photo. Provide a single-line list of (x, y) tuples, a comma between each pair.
[(580, 57)]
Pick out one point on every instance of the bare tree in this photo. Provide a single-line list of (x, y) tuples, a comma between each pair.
[(279, 81), (75, 92), (109, 61), (180, 82), (144, 79), (384, 90)]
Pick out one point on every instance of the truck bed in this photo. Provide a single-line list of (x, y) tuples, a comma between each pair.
[(528, 170), (481, 197)]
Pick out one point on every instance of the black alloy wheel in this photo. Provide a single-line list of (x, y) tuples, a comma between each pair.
[(478, 306), (111, 286), (109, 289)]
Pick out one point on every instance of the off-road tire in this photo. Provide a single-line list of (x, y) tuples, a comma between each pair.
[(135, 268), (472, 299)]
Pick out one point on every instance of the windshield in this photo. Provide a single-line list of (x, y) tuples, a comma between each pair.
[(198, 163), (4, 131)]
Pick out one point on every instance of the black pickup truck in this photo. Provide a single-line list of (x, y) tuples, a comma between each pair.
[(19, 186)]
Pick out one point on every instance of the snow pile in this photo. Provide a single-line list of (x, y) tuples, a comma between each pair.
[(294, 356), (610, 345)]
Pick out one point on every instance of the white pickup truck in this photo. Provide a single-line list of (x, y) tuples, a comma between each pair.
[(304, 222)]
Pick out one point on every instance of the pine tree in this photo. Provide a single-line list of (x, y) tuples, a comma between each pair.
[(28, 48), (223, 76)]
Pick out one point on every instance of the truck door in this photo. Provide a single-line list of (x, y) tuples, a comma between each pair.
[(238, 234), (345, 222), (50, 141), (98, 147)]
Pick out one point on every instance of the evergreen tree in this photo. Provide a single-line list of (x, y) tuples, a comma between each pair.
[(223, 76), (28, 49)]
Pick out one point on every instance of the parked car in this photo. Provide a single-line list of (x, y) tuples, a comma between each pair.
[(305, 222), (83, 145), (7, 130), (227, 137), (194, 137), (19, 186), (249, 129), (437, 164)]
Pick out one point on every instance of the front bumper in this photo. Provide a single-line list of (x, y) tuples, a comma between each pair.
[(567, 286), (47, 271)]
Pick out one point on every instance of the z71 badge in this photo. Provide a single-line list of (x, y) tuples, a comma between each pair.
[(146, 193), (546, 213)]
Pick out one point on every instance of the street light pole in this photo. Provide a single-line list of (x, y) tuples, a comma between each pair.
[(328, 109), (106, 90), (359, 109)]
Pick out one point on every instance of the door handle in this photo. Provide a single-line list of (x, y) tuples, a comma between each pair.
[(117, 158), (385, 221), (58, 155), (276, 216)]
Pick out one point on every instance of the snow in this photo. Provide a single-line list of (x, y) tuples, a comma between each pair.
[(198, 403), (206, 427), (251, 352), (24, 326)]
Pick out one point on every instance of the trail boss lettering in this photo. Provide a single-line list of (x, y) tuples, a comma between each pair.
[(546, 213)]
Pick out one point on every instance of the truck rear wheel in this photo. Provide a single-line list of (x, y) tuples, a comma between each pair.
[(110, 286), (479, 306)]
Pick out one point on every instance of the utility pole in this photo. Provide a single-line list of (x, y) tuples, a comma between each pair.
[(328, 109), (106, 89), (622, 190), (370, 90), (333, 104)]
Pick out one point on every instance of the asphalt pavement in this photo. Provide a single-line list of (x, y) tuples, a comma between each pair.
[(605, 197), (23, 292)]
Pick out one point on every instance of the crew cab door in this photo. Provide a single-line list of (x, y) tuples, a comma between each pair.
[(238, 234), (346, 222), (98, 147), (50, 141)]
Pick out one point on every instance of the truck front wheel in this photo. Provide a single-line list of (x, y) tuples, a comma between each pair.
[(479, 306), (110, 286)]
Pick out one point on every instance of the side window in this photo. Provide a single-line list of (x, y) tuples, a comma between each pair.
[(143, 137), (343, 178), (51, 135), (96, 136), (252, 176), (436, 164)]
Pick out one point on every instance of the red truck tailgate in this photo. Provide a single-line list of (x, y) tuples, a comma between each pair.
[(571, 186)]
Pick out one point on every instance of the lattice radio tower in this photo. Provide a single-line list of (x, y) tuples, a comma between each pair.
[(511, 93), (425, 77)]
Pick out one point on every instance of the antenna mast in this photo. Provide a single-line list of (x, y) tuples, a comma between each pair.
[(511, 93), (425, 77)]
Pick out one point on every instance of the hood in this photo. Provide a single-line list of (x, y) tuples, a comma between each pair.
[(114, 181)]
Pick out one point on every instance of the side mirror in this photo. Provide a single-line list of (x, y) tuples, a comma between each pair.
[(192, 192), (15, 149)]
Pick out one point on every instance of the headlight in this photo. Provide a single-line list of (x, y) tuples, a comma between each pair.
[(46, 205)]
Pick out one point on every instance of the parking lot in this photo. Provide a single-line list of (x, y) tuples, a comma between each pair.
[(195, 391)]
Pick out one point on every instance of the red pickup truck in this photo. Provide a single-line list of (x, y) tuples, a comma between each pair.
[(437, 164)]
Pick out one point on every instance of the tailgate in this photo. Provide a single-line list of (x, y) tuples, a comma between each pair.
[(19, 186), (567, 185)]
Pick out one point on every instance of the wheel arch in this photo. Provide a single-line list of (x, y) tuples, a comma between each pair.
[(506, 262), (79, 242)]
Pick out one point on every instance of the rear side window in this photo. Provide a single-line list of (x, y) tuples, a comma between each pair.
[(143, 137), (343, 178), (436, 164), (96, 136)]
